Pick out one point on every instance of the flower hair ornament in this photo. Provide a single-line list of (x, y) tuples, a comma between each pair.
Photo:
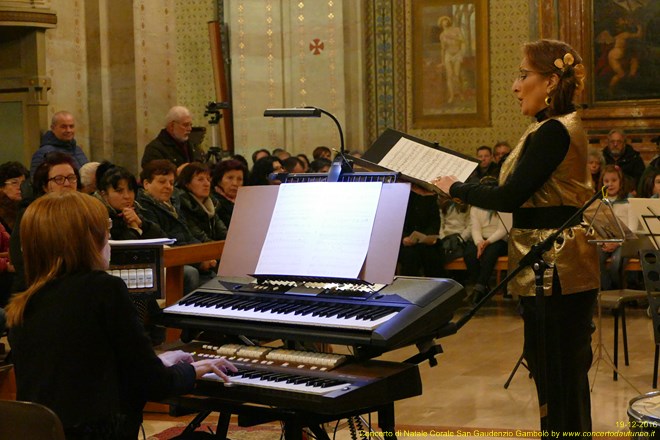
[(566, 63)]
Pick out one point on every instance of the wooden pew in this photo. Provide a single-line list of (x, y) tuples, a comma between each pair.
[(501, 266)]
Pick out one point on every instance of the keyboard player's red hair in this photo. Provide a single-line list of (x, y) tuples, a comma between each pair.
[(60, 234)]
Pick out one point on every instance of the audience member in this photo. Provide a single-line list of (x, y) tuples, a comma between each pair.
[(60, 137), (197, 206), (320, 165), (161, 207), (57, 174), (649, 185), (500, 151), (241, 159), (305, 161), (293, 165), (488, 243), (160, 204), (281, 154), (620, 153), (259, 154), (420, 230), (322, 152), (454, 221), (486, 165), (88, 177), (431, 251), (6, 271), (12, 177), (262, 169), (228, 176), (595, 162), (610, 274), (117, 189), (173, 141), (77, 344)]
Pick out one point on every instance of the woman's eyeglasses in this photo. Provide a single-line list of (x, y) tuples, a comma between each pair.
[(71, 178)]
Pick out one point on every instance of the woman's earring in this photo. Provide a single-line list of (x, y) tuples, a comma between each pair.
[(547, 100)]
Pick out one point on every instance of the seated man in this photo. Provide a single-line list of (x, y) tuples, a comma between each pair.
[(60, 137), (161, 207), (173, 141)]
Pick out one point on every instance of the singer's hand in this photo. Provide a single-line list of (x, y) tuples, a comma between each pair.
[(444, 182)]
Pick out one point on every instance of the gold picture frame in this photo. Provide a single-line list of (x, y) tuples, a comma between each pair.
[(447, 49)]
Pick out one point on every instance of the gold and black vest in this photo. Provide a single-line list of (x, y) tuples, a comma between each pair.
[(574, 258)]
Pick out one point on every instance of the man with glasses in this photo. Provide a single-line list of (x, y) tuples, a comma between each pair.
[(60, 137), (173, 141), (618, 152)]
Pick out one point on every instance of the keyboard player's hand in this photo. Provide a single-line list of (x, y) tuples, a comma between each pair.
[(217, 366), (170, 358)]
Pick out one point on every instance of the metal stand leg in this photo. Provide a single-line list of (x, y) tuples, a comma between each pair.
[(521, 361)]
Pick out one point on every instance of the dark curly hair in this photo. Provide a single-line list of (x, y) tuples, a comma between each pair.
[(11, 170), (223, 167), (158, 167), (190, 171)]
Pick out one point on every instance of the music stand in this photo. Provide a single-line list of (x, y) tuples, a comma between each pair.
[(607, 228), (648, 213)]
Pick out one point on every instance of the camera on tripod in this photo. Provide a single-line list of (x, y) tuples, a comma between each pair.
[(213, 110)]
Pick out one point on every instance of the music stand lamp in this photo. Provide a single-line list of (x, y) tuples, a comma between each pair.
[(340, 164)]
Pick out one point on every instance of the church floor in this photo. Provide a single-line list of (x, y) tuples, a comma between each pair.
[(465, 390)]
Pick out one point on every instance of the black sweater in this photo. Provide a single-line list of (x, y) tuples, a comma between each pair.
[(542, 153), (82, 352)]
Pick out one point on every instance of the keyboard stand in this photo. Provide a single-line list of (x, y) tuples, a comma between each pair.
[(294, 421)]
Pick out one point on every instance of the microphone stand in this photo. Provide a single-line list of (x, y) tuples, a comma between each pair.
[(534, 258)]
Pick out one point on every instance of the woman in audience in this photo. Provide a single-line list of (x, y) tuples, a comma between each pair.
[(420, 229), (320, 165), (649, 184), (6, 270), (12, 176), (117, 188), (595, 162), (305, 160), (77, 345), (199, 211), (610, 273), (487, 245), (57, 174), (88, 178), (455, 221), (262, 169), (163, 208), (228, 176)]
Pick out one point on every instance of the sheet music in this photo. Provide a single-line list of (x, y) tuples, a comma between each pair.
[(320, 229), (425, 163)]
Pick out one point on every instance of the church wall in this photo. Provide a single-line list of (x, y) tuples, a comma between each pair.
[(509, 29), (284, 53)]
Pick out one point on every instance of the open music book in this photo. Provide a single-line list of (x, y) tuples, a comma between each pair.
[(417, 160)]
